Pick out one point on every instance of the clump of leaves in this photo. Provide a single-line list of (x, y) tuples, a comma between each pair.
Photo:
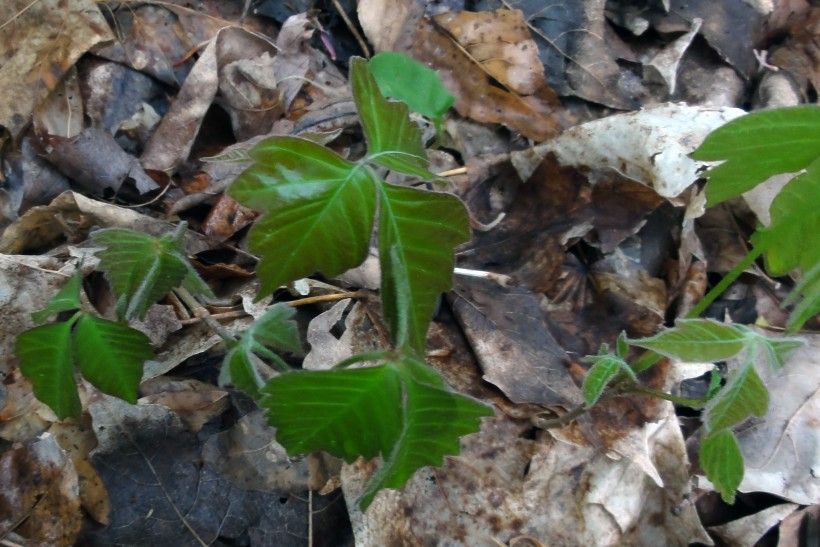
[(755, 147), (743, 395), (109, 354), (319, 211)]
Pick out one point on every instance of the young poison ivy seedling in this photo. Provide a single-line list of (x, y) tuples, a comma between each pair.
[(319, 211), (754, 148), (109, 354)]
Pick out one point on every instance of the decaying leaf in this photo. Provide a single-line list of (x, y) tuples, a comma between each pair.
[(160, 491), (650, 146), (505, 485), (780, 450), (39, 500), (465, 76), (41, 41)]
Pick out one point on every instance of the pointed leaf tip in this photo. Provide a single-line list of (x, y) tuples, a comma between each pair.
[(393, 140)]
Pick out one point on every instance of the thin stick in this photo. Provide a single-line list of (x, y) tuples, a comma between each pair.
[(203, 314), (502, 279), (236, 314), (310, 518), (19, 13), (453, 172), (326, 298), (352, 27)]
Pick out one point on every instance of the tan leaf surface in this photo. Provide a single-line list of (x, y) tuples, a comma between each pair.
[(41, 42)]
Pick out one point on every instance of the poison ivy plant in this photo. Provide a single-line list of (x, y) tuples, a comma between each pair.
[(273, 331), (743, 396), (755, 147), (605, 368), (319, 211), (110, 355), (142, 269), (400, 410)]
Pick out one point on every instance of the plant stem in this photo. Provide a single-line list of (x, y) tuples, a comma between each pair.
[(680, 401), (724, 283), (649, 358), (201, 312)]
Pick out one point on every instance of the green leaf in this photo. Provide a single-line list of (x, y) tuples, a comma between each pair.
[(433, 420), (743, 395), (721, 460), (68, 298), (791, 240), (807, 295), (605, 367), (757, 146), (45, 356), (403, 78), (774, 350), (110, 355), (400, 410), (274, 330), (417, 234), (393, 140), (622, 346), (142, 269), (696, 340), (321, 210)]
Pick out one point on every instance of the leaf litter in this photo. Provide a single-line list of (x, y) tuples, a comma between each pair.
[(143, 120)]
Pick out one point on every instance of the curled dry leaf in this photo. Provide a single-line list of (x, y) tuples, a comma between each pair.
[(78, 440), (651, 146), (193, 401), (72, 215), (95, 161)]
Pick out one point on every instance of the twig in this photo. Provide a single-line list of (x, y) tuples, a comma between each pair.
[(19, 13), (453, 172), (502, 279), (203, 314), (236, 314), (326, 298), (310, 518), (561, 421), (352, 27)]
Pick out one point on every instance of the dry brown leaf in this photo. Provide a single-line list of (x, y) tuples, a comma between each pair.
[(71, 215), (477, 96), (193, 401), (505, 484), (39, 499), (500, 42), (78, 440), (226, 218), (41, 41), (95, 161)]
